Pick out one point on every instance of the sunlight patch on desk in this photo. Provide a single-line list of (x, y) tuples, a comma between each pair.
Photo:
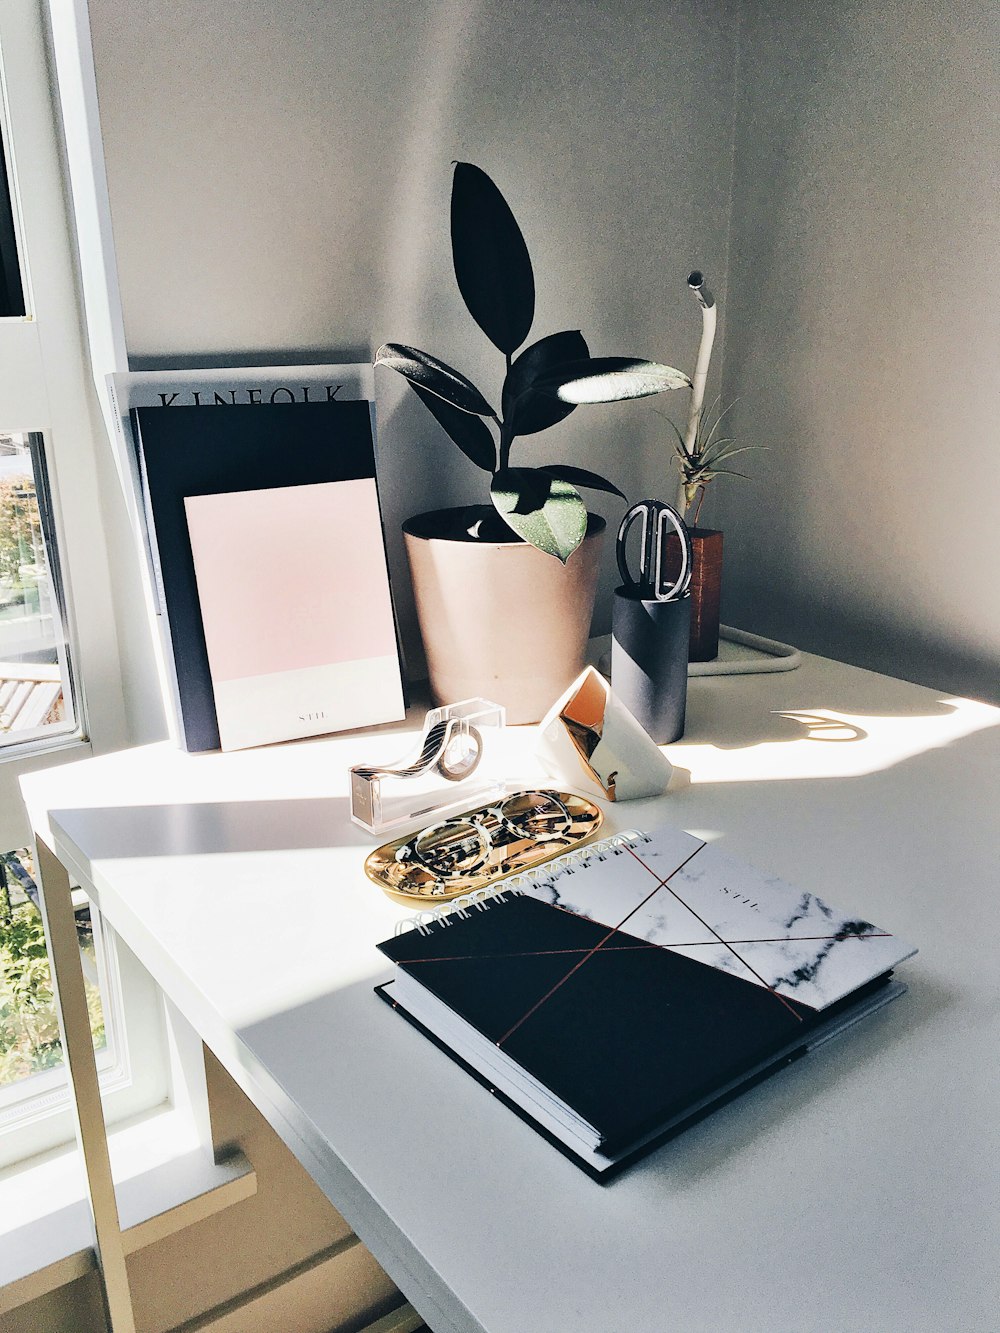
[(834, 743), (290, 934)]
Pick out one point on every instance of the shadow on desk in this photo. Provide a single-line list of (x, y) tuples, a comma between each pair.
[(214, 827), (821, 1078), (727, 723), (425, 1105)]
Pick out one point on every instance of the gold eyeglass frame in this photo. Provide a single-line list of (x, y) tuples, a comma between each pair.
[(400, 872)]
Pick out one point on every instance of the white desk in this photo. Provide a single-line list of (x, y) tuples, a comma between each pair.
[(855, 1191)]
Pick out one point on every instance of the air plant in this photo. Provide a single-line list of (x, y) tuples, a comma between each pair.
[(702, 462), (701, 450), (542, 384)]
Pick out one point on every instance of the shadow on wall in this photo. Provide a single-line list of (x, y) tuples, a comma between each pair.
[(885, 641), (859, 138)]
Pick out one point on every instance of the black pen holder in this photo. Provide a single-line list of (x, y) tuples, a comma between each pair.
[(649, 661)]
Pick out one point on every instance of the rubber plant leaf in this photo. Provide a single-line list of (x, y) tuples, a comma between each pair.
[(422, 369), (579, 476), (608, 379), (491, 259), (525, 410), (470, 433), (544, 511)]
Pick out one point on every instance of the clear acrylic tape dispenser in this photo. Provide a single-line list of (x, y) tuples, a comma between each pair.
[(456, 762)]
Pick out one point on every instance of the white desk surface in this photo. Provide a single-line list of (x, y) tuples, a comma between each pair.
[(855, 1191)]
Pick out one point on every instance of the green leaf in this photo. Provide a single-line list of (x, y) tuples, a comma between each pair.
[(730, 472), (579, 476), (422, 369), (681, 447), (491, 259), (719, 455), (526, 411), (608, 379), (541, 509), (471, 434)]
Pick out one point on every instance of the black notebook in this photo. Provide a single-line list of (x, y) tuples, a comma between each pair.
[(214, 450), (609, 1035)]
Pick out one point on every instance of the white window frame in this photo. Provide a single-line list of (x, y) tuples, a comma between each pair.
[(46, 387)]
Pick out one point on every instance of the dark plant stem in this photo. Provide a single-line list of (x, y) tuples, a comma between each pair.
[(701, 501)]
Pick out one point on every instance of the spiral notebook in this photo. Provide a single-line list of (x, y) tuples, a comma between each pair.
[(621, 996)]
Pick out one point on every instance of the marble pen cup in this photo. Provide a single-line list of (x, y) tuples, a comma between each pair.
[(649, 660)]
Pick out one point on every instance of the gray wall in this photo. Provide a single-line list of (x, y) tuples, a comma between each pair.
[(279, 177), (863, 336)]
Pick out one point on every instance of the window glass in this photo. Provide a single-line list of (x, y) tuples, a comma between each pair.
[(29, 1027), (36, 696), (132, 1060)]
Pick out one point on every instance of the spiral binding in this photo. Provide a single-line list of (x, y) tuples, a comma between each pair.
[(544, 875)]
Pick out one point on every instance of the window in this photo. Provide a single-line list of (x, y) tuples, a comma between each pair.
[(131, 1058), (57, 613), (31, 1056), (36, 688), (60, 673), (29, 1029)]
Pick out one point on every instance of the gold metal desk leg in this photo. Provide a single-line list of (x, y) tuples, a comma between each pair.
[(78, 1048)]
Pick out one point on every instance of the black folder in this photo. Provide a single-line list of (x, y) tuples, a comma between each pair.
[(605, 1042), (212, 450)]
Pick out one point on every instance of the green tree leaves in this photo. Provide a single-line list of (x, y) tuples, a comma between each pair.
[(541, 509), (609, 379), (491, 259), (471, 434), (525, 410), (427, 372), (454, 401), (579, 476), (542, 386)]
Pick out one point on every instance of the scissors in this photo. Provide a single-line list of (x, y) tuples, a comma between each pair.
[(653, 583)]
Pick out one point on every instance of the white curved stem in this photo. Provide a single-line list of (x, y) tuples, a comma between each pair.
[(708, 320)]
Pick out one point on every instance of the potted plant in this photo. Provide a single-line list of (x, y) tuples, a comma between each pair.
[(700, 454), (505, 590)]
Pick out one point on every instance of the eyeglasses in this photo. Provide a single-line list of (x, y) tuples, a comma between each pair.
[(478, 847), (460, 847)]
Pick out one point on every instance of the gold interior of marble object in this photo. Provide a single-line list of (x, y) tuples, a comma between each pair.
[(479, 847)]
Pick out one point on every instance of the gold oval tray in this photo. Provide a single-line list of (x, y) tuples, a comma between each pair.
[(412, 884)]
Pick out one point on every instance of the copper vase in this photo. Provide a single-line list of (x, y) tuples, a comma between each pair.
[(706, 587)]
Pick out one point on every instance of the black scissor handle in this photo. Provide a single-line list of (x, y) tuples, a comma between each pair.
[(657, 519)]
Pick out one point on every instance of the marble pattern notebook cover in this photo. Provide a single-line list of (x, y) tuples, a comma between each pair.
[(295, 606), (614, 1001), (677, 891)]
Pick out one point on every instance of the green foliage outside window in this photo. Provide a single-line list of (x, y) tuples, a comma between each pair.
[(20, 537), (29, 1028)]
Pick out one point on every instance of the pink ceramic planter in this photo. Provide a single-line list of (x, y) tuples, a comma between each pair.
[(502, 620)]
